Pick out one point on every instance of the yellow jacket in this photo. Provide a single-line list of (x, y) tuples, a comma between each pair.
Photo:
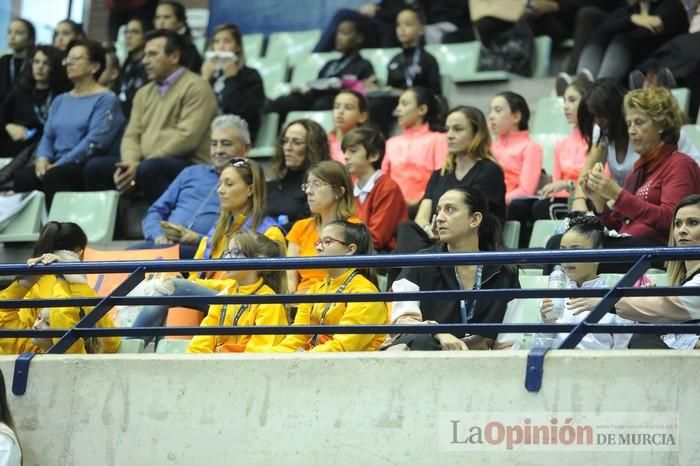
[(255, 314), (50, 287), (339, 314)]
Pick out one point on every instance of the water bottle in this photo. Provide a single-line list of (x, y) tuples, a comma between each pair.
[(282, 220), (557, 281)]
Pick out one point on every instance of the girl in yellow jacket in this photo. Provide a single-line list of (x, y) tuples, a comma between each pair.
[(245, 244), (337, 239), (58, 242)]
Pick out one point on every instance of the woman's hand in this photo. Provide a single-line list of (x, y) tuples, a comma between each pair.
[(41, 166), (579, 305), (550, 189), (545, 309), (597, 200), (46, 259), (208, 68), (604, 186), (16, 132), (231, 66), (449, 342), (652, 23)]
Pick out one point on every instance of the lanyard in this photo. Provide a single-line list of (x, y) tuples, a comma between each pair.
[(240, 312), (466, 316), (41, 112), (410, 72), (337, 65), (325, 311)]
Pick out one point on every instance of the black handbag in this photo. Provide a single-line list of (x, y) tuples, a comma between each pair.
[(21, 160)]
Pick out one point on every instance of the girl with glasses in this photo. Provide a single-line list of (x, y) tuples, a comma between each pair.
[(340, 238), (330, 196), (245, 244)]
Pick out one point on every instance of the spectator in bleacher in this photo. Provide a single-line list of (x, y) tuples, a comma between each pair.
[(340, 238), (330, 197), (58, 242), (349, 112), (245, 244), (348, 71), (170, 15), (469, 164), (20, 38), (123, 11), (685, 231), (413, 66), (83, 125), (242, 199), (629, 34), (557, 18), (188, 208), (110, 75), (584, 232), (168, 126), (26, 108), (569, 159), (378, 199), (463, 224), (519, 156), (238, 88), (302, 144), (67, 31), (420, 149), (133, 72)]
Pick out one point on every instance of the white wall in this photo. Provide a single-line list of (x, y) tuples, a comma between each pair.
[(347, 409)]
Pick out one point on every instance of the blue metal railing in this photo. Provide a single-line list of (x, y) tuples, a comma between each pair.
[(642, 259)]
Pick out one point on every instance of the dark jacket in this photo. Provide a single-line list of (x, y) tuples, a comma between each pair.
[(242, 95), (426, 73)]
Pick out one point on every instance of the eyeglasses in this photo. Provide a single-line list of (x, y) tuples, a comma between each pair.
[(326, 242), (295, 142), (313, 186), (233, 252), (69, 59)]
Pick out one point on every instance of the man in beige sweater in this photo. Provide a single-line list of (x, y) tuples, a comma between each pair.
[(168, 126)]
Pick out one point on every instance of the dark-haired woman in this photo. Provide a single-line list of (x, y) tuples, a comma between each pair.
[(463, 224), (58, 242), (20, 38), (26, 109), (170, 15), (66, 32), (133, 72), (85, 122), (238, 88)]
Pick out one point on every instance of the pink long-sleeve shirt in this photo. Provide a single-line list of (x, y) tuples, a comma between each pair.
[(412, 157), (521, 160), (569, 157), (334, 149)]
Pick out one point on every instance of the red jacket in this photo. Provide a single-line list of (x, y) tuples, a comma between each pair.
[(648, 212), (384, 208)]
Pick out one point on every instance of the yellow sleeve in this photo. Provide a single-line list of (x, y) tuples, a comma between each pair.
[(65, 317), (292, 342), (355, 314), (200, 249), (14, 291), (268, 314), (275, 234), (206, 343)]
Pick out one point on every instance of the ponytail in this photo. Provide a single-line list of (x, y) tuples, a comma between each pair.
[(437, 107), (57, 236)]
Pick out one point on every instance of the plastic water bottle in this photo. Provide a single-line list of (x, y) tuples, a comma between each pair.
[(282, 220), (557, 281)]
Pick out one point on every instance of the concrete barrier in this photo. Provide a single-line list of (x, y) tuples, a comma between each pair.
[(345, 409)]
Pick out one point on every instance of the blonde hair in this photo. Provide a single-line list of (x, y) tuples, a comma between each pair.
[(660, 105), (337, 176), (480, 146), (254, 244), (675, 270), (253, 175)]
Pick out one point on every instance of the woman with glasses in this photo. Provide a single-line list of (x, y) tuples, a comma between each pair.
[(242, 203), (83, 123), (302, 144), (245, 244), (340, 238), (329, 192)]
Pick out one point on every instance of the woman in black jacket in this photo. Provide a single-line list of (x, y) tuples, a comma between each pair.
[(463, 224)]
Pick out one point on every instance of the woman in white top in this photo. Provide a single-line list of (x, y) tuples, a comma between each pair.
[(10, 450), (585, 233)]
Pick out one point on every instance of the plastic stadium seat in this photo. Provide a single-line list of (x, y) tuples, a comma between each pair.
[(682, 95), (294, 46), (380, 59), (459, 61), (547, 141), (448, 88), (543, 57), (542, 230), (693, 133), (549, 117), (307, 69), (511, 234), (172, 346), (183, 317), (659, 279), (267, 136), (323, 118), (200, 43), (26, 225), (95, 212), (253, 45), (131, 346), (272, 71)]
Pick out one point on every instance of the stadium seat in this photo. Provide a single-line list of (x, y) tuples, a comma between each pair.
[(267, 136), (542, 230), (200, 43), (307, 68), (459, 61), (448, 88), (293, 46), (659, 279), (543, 57), (692, 132), (272, 71), (380, 59), (528, 281), (323, 118), (183, 317), (547, 141), (135, 345), (26, 225), (549, 117), (253, 45), (511, 234), (172, 346), (95, 212), (682, 95)]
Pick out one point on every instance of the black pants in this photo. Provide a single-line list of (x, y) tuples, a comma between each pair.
[(67, 177), (410, 238), (296, 101), (527, 211), (587, 19)]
